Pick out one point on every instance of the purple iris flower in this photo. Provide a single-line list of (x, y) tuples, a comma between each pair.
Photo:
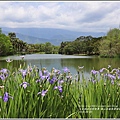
[(69, 77), (4, 70), (40, 73), (60, 81), (94, 72), (119, 76), (45, 72), (24, 84), (55, 87), (6, 97), (114, 70), (59, 88), (2, 76), (58, 72), (55, 70), (24, 73), (44, 75), (112, 77), (66, 70), (43, 92), (52, 80), (101, 70), (118, 72)]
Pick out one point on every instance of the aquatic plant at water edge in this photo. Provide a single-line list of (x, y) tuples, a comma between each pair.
[(38, 93)]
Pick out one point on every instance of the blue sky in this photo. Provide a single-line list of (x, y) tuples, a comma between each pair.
[(82, 16)]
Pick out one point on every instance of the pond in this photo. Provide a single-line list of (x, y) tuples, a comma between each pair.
[(60, 61)]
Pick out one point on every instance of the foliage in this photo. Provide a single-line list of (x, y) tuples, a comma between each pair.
[(48, 48), (110, 44), (61, 49), (106, 46), (22, 47), (5, 45), (82, 45), (38, 93), (68, 49), (18, 45), (12, 45)]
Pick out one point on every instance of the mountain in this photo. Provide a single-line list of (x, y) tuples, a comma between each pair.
[(52, 35), (29, 39)]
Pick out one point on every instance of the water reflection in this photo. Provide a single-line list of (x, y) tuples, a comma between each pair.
[(13, 64), (61, 61)]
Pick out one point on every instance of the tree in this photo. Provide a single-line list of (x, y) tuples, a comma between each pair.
[(48, 48), (82, 45), (109, 46), (77, 47), (62, 46), (12, 37), (42, 47), (69, 50), (6, 47), (19, 46), (55, 49)]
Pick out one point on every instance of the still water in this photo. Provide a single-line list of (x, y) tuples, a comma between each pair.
[(60, 61)]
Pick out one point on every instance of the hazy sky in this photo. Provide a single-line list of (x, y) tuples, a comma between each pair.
[(80, 16)]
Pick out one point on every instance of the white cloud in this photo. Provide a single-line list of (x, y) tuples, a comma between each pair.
[(82, 16)]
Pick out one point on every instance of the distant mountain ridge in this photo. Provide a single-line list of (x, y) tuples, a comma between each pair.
[(52, 35), (29, 39)]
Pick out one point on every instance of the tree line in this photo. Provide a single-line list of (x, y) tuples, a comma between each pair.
[(82, 45), (105, 46), (10, 45)]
